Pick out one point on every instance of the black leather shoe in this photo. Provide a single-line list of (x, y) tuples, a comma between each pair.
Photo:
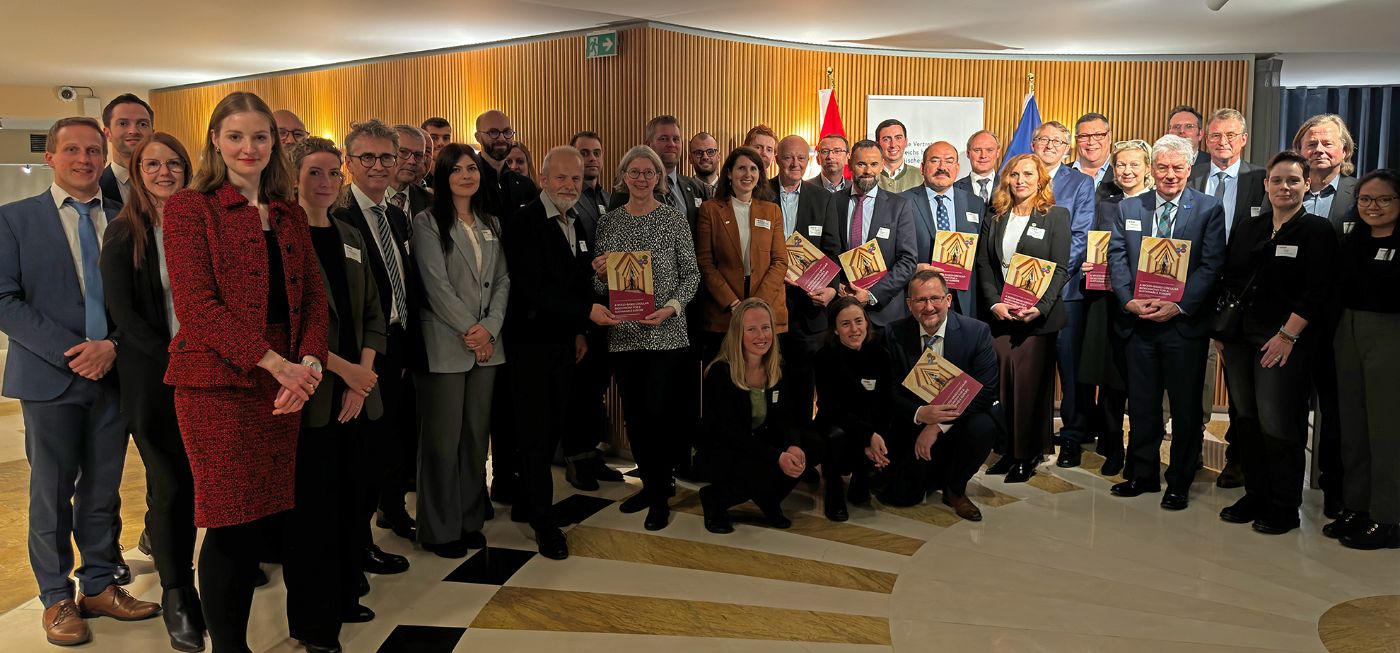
[(452, 550), (474, 540), (1350, 522), (580, 475), (1175, 500), (1230, 477), (1332, 505), (401, 524), (1071, 454), (333, 647), (600, 470), (143, 544), (635, 503), (357, 615), (378, 561), (361, 586), (1112, 464), (1001, 466), (1021, 471), (1243, 511), (658, 517), (184, 618), (716, 516), (1374, 536), (1277, 523), (834, 499), (774, 517), (552, 543), (122, 575), (1134, 487)]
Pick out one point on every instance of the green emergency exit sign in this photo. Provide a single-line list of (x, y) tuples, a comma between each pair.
[(600, 44)]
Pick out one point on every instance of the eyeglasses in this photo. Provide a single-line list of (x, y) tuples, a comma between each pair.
[(152, 166), (1378, 202), (1096, 136), (415, 156), (931, 299), (641, 174), (1052, 142), (494, 134), (296, 134), (1228, 137), (829, 152), (709, 151), (386, 160)]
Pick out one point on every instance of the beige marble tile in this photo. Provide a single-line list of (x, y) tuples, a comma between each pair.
[(1367, 625), (908, 635), (525, 641), (688, 501)]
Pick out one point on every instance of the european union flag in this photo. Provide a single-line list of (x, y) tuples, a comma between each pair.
[(1030, 121)]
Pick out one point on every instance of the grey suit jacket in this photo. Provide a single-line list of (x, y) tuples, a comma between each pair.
[(892, 217), (41, 301), (456, 297), (967, 214)]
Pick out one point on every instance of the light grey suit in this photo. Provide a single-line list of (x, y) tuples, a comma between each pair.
[(454, 394)]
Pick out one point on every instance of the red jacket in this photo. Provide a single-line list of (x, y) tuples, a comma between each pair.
[(217, 259)]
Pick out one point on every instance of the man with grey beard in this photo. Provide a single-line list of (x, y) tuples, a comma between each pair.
[(865, 212)]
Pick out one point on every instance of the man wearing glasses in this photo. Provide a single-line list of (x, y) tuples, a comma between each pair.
[(704, 159), (509, 191), (1074, 191), (290, 129), (833, 150), (1185, 121), (1092, 139), (415, 162)]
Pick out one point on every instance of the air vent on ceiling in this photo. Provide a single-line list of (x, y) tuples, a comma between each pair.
[(37, 141)]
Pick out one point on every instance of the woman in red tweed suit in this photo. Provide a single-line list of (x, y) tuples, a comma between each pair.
[(237, 389)]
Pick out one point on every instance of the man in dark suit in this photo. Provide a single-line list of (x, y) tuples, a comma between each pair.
[(833, 155), (371, 156), (405, 191), (1074, 191), (939, 206), (551, 307), (62, 346), (864, 212), (507, 191), (938, 446), (593, 200), (1185, 121), (126, 120), (804, 212), (663, 134), (439, 132), (1166, 340), (984, 157)]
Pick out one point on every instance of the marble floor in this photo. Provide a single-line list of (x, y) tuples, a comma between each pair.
[(1057, 565)]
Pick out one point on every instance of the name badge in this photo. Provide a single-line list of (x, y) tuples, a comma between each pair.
[(1347, 227), (775, 396), (602, 209), (1254, 211), (487, 235), (1132, 225), (868, 384), (352, 254), (814, 231), (1036, 233), (697, 202), (1291, 251), (973, 217), (582, 246), (1385, 254), (407, 247), (884, 232), (763, 224)]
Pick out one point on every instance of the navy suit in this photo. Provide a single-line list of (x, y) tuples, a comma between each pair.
[(1074, 191), (966, 214), (893, 217), (75, 437), (1166, 356), (111, 190), (965, 184), (959, 452)]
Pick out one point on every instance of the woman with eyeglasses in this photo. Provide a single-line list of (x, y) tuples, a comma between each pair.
[(1280, 265), (137, 282), (649, 354), (1368, 355)]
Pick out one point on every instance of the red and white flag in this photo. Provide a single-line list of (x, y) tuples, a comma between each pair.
[(830, 120)]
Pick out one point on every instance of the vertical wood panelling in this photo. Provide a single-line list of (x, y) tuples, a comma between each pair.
[(721, 86)]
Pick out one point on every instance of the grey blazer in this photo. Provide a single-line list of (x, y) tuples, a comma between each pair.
[(455, 297)]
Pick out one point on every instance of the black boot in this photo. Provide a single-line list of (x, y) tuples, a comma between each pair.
[(184, 618)]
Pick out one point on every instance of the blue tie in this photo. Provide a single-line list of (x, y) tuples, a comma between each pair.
[(942, 214), (94, 301)]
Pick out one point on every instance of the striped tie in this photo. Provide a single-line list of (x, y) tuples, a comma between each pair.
[(391, 261)]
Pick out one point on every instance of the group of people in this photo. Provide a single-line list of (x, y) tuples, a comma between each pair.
[(295, 353)]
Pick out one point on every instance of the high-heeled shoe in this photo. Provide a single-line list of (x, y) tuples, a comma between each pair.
[(1021, 471), (184, 618)]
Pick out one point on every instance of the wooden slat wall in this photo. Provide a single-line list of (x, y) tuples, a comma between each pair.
[(722, 86)]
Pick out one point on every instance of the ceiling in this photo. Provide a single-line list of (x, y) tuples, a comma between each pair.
[(156, 43)]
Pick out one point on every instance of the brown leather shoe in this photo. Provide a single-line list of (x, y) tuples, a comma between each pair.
[(64, 626), (116, 603), (963, 506)]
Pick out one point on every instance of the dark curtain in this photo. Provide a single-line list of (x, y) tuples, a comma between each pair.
[(1372, 113)]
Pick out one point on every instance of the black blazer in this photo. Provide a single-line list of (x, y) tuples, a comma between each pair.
[(1054, 246), (855, 389), (967, 344), (1292, 273), (353, 215), (369, 324), (551, 286), (419, 200), (728, 416), (136, 303), (1343, 215), (506, 192), (804, 317), (111, 189)]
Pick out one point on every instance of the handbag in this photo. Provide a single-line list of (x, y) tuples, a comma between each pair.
[(1227, 324)]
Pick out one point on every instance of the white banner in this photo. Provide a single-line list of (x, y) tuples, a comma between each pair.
[(929, 120)]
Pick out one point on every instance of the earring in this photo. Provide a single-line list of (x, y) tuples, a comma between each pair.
[(218, 150)]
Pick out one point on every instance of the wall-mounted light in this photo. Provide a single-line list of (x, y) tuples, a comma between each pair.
[(27, 169), (1215, 5)]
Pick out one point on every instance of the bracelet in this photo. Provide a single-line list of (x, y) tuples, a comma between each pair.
[(1292, 339)]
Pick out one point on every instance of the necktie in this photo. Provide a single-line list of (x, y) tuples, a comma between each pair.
[(1165, 218), (1220, 178), (399, 199), (942, 214), (930, 341), (858, 222), (677, 200), (94, 300), (391, 261), (983, 192)]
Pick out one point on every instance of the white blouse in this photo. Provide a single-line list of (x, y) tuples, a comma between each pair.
[(1015, 228), (741, 217)]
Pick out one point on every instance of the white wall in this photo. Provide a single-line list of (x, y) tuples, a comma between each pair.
[(1340, 69)]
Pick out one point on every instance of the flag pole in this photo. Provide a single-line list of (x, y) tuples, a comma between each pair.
[(830, 79), (1030, 79)]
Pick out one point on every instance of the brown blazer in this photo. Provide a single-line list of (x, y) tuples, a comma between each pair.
[(722, 269)]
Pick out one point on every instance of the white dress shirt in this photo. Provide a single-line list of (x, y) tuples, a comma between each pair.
[(123, 180), (975, 180), (385, 250), (1015, 228), (68, 216)]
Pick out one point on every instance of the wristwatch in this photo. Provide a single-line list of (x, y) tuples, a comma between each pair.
[(313, 364)]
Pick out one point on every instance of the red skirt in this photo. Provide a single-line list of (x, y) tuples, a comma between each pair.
[(242, 456)]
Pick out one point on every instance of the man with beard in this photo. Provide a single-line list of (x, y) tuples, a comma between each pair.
[(864, 213), (507, 191), (939, 206), (833, 151), (704, 159), (551, 307), (127, 120)]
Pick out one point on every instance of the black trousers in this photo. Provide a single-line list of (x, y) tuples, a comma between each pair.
[(1077, 400), (1327, 402), (799, 375), (384, 462), (587, 412), (1270, 423), (956, 456), (323, 551), (228, 565), (655, 406), (169, 495), (839, 451), (1158, 358), (736, 477), (540, 380)]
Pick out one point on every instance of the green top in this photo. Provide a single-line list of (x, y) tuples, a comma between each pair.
[(759, 407)]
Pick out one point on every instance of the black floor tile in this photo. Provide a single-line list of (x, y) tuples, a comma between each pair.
[(490, 566), (578, 507), (635, 472), (422, 639)]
